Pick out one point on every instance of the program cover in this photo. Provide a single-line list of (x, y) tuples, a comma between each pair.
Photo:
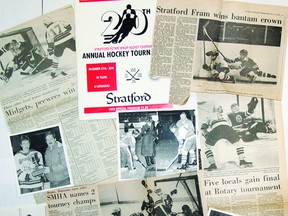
[(114, 42)]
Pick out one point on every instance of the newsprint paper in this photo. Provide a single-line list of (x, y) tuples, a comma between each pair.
[(114, 42), (243, 157), (175, 195), (220, 47), (39, 91)]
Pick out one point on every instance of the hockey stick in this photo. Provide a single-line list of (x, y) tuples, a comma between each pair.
[(205, 31), (142, 164), (173, 161), (1, 64), (204, 27), (36, 67), (149, 208)]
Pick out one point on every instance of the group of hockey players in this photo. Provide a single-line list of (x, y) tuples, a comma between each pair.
[(220, 68), (28, 60), (146, 138), (158, 203), (236, 127)]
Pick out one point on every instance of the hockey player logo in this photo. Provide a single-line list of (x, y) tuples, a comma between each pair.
[(132, 21), (239, 118)]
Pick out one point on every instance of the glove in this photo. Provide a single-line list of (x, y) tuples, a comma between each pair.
[(228, 60), (252, 105), (206, 67), (204, 126), (149, 191), (173, 192)]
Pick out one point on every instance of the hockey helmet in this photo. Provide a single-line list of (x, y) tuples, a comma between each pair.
[(212, 53), (243, 52), (218, 109), (116, 211), (158, 190)]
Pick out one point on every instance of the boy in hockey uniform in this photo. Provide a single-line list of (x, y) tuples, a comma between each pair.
[(25, 58), (59, 37), (30, 169), (216, 128), (242, 121), (248, 67), (219, 69), (185, 135)]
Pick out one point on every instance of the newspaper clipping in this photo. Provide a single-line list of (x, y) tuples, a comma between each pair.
[(242, 152), (227, 47), (170, 195), (39, 90), (81, 200)]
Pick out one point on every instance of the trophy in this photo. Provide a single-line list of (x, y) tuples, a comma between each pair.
[(38, 169)]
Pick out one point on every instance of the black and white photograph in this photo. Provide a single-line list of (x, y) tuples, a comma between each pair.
[(216, 212), (40, 160), (236, 53), (155, 143), (175, 195), (40, 50), (237, 132)]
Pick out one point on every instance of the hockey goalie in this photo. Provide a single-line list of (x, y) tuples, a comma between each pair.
[(25, 58)]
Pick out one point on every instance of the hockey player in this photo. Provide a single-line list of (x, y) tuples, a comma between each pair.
[(127, 149), (248, 67), (217, 127), (148, 204), (242, 120), (25, 58), (59, 37), (218, 68), (163, 203), (116, 212), (187, 141), (30, 169)]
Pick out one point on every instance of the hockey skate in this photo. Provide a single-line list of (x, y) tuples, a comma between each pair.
[(194, 163), (245, 164), (211, 167), (253, 78), (269, 128), (54, 74), (4, 78), (182, 167)]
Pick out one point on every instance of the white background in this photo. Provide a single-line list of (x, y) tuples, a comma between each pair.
[(14, 12)]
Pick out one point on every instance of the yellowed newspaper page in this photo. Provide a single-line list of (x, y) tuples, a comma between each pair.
[(243, 155), (39, 92), (81, 200), (227, 47)]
